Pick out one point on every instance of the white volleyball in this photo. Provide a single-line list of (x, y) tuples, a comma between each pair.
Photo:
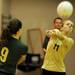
[(65, 9)]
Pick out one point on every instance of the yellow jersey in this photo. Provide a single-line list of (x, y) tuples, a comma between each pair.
[(56, 51)]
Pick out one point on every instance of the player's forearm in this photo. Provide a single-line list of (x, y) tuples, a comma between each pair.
[(22, 59), (44, 50), (55, 32)]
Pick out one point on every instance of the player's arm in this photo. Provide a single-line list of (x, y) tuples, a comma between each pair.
[(23, 53), (44, 50), (22, 59), (68, 42), (55, 33)]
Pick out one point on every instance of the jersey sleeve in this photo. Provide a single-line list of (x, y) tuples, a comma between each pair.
[(69, 42), (23, 49)]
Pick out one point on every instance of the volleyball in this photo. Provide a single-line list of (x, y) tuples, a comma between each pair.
[(65, 9)]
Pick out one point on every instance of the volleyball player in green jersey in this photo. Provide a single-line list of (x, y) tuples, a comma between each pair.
[(59, 45), (12, 51)]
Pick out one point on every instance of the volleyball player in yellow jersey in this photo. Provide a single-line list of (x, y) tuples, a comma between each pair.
[(59, 45)]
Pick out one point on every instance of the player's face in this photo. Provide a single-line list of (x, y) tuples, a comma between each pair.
[(58, 23), (68, 26)]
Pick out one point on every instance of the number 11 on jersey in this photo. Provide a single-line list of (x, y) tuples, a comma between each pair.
[(56, 47)]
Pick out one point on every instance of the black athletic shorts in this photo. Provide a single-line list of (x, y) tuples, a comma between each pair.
[(45, 72)]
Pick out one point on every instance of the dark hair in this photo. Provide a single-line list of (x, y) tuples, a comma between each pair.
[(13, 26), (57, 18)]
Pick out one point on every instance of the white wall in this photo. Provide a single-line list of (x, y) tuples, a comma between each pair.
[(6, 7)]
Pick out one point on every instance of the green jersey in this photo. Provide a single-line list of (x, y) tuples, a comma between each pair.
[(10, 52)]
